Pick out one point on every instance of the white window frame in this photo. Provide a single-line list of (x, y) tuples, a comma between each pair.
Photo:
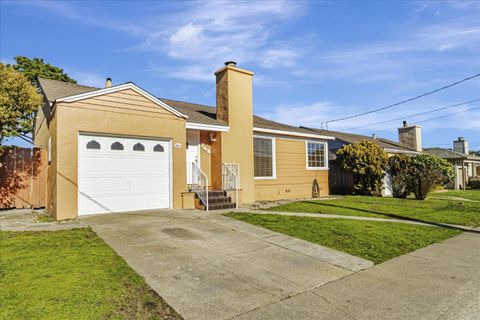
[(325, 155), (274, 158)]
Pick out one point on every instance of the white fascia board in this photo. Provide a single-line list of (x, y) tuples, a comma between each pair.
[(401, 151), (120, 87), (207, 127), (293, 133)]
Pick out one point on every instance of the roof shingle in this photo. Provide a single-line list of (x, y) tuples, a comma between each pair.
[(54, 89), (353, 138), (450, 154), (196, 113)]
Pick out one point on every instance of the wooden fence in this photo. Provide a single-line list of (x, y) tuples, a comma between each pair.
[(340, 181), (23, 178)]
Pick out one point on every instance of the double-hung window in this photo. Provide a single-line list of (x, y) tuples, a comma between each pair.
[(264, 157), (317, 156)]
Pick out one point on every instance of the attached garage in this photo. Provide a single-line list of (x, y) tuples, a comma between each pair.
[(118, 174)]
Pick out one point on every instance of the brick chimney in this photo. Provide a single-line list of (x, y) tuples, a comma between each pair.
[(410, 136), (461, 145)]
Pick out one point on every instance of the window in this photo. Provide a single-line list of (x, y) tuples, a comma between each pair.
[(158, 148), (264, 157), (316, 155), (116, 146), (138, 147), (92, 144)]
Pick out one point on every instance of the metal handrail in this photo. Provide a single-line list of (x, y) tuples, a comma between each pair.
[(200, 183), (231, 179)]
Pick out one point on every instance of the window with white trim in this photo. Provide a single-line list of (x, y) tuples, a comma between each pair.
[(316, 155), (264, 157)]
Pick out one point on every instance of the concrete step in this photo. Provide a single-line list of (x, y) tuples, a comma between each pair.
[(221, 206)]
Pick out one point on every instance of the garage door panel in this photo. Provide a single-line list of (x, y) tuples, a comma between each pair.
[(122, 180)]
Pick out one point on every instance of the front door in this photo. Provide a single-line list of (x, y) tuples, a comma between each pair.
[(193, 152)]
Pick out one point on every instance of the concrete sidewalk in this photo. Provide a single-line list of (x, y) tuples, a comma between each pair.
[(441, 281)]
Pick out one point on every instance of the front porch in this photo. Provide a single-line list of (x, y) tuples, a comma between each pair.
[(211, 183)]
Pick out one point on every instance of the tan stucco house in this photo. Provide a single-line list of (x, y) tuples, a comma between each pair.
[(119, 148)]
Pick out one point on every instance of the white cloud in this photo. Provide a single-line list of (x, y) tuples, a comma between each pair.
[(217, 31)]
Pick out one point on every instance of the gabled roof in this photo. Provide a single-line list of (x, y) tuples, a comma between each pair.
[(388, 145), (450, 154), (196, 113), (54, 89)]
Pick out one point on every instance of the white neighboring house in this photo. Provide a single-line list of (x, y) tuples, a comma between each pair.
[(466, 165)]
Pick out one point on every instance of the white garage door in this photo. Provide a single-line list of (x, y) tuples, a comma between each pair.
[(122, 174)]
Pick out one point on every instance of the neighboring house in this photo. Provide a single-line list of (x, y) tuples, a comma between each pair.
[(340, 181), (119, 148), (466, 165)]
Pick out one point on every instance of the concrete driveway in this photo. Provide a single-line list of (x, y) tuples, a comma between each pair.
[(211, 267)]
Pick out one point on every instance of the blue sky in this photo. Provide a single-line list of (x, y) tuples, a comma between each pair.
[(313, 61)]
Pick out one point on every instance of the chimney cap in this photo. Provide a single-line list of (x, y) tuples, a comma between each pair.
[(230, 63), (108, 82), (461, 139), (405, 123)]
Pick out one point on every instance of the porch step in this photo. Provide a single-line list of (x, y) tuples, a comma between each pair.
[(217, 200), (220, 206), (216, 193)]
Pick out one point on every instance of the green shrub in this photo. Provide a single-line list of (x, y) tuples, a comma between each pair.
[(474, 183), (367, 162), (426, 172), (397, 173)]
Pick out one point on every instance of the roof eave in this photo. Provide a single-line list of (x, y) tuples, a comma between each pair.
[(128, 85), (292, 133)]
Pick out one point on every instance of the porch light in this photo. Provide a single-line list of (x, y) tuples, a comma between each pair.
[(212, 136)]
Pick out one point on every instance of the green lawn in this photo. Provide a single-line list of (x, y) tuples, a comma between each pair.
[(71, 274), (430, 210), (375, 241), (467, 194)]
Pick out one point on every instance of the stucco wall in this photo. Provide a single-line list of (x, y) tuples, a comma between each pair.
[(52, 167), (235, 104), (293, 179), (124, 113)]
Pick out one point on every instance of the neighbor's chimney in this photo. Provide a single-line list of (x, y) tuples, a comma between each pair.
[(461, 145), (410, 136), (108, 83), (374, 136)]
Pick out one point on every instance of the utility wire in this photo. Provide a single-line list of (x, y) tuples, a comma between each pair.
[(402, 102), (417, 114), (448, 115), (441, 117)]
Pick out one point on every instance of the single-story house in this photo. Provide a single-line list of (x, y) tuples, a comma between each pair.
[(340, 181), (466, 165), (120, 148)]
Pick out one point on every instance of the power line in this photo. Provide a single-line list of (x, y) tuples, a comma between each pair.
[(448, 115), (402, 102), (441, 117), (418, 114)]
